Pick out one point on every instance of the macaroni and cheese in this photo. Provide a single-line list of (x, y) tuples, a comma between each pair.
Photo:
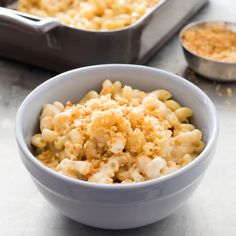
[(90, 14), (120, 135)]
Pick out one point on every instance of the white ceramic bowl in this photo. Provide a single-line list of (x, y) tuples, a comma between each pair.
[(116, 206)]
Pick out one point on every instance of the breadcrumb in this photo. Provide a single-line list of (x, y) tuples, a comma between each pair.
[(229, 92), (213, 41)]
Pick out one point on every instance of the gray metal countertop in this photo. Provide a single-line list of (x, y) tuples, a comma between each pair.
[(210, 211)]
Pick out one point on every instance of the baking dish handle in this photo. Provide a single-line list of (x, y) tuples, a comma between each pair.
[(22, 23)]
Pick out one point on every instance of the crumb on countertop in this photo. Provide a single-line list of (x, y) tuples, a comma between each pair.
[(191, 75), (218, 87), (229, 92)]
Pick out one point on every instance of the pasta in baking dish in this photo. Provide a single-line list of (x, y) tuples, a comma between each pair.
[(120, 135), (90, 14)]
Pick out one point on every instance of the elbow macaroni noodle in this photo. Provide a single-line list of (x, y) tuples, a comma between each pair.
[(90, 14), (120, 135)]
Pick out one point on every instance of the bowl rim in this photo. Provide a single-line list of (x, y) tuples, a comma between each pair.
[(199, 23), (31, 158)]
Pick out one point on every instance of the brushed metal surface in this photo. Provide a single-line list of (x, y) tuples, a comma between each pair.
[(63, 48), (211, 211)]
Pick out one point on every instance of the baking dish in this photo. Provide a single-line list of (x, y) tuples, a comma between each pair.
[(52, 45)]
